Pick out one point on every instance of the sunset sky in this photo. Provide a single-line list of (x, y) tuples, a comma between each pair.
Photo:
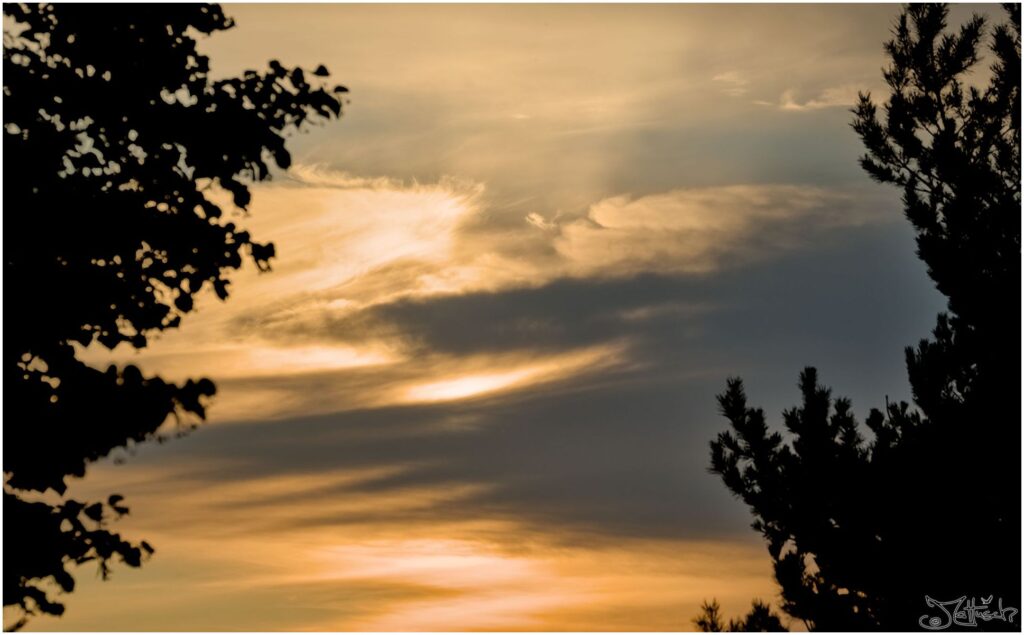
[(477, 389)]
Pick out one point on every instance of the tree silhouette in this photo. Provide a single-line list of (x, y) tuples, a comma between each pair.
[(710, 618), (760, 619), (117, 142), (861, 530)]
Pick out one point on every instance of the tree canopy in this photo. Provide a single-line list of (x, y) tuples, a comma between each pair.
[(861, 528), (760, 619), (118, 145)]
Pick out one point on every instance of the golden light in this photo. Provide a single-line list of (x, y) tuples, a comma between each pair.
[(463, 387), (549, 369), (297, 359)]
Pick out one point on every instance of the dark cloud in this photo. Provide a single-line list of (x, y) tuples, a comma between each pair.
[(617, 453), (853, 296)]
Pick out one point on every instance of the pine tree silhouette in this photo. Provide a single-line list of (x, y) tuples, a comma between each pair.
[(760, 619), (861, 530)]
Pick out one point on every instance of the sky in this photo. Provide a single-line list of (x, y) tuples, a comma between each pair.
[(478, 387)]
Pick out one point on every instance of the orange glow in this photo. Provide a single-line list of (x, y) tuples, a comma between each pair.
[(266, 360), (547, 370), (378, 572), (471, 386)]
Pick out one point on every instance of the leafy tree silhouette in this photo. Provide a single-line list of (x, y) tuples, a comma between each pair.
[(760, 619), (116, 140), (861, 530)]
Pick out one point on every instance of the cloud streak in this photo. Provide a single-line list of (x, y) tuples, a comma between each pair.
[(733, 83), (834, 97), (702, 229), (363, 252)]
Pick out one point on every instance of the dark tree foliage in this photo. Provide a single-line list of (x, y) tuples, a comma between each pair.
[(861, 529), (760, 619), (116, 141), (710, 618)]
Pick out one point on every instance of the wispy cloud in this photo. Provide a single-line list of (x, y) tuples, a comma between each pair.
[(385, 547), (370, 272), (834, 97), (495, 379), (699, 230), (733, 83)]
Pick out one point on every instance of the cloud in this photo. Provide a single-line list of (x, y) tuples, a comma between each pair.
[(385, 291), (490, 338), (319, 175), (699, 230), (835, 97), (592, 486), (342, 242), (254, 559), (688, 231), (733, 83), (596, 450), (496, 379), (427, 377)]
